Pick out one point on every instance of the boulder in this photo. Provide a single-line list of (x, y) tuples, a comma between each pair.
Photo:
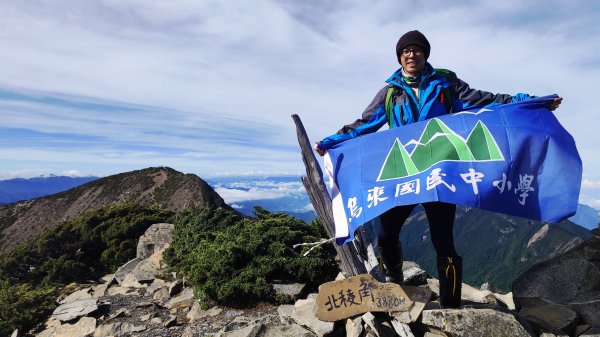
[(305, 314), (145, 271), (156, 285), (154, 239), (551, 317), (72, 310), (125, 269), (468, 293), (593, 332), (402, 329), (571, 279), (15, 333), (474, 322)]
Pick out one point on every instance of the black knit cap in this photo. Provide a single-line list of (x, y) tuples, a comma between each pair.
[(414, 37)]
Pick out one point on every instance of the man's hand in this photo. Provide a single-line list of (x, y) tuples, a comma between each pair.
[(555, 103), (319, 151)]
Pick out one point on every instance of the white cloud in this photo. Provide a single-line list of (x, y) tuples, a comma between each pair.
[(239, 191), (210, 85), (590, 184)]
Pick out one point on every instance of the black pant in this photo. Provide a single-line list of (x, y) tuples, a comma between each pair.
[(441, 223)]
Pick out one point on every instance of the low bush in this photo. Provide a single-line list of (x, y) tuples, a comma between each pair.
[(233, 260), (21, 306)]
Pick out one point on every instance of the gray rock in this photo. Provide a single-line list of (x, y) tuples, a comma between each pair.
[(156, 285), (285, 312), (570, 279), (161, 296), (154, 239), (100, 290), (121, 291), (184, 300), (474, 323), (196, 313), (72, 310), (552, 317), (172, 321), (126, 269), (304, 314), (593, 332), (78, 295), (83, 328), (380, 327), (413, 274), (175, 287), (15, 333), (146, 270), (354, 327), (402, 329), (293, 290), (117, 329), (233, 314)]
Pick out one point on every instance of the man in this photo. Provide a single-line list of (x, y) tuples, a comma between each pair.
[(417, 92)]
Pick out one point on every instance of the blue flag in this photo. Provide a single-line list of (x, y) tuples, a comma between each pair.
[(513, 158)]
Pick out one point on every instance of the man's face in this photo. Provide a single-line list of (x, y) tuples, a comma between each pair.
[(412, 60)]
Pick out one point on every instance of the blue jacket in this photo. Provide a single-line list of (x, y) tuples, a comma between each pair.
[(410, 109)]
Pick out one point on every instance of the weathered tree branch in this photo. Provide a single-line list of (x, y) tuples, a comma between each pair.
[(356, 257)]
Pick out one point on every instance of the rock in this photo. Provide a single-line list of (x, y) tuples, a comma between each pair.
[(145, 271), (474, 322), (551, 317), (84, 327), (468, 293), (488, 286), (402, 329), (121, 291), (156, 320), (126, 269), (120, 313), (72, 310), (413, 274), (196, 313), (293, 290), (154, 239), (175, 287), (172, 321), (144, 318), (354, 327), (100, 290), (155, 285), (15, 333), (117, 329), (161, 296), (305, 315), (570, 279), (190, 332), (78, 295), (184, 300), (46, 333), (381, 327), (130, 281), (593, 332), (285, 312), (233, 314), (420, 296)]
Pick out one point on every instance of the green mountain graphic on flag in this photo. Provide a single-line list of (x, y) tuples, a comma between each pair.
[(439, 143)]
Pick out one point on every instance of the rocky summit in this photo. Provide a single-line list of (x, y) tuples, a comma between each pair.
[(142, 299), (170, 189)]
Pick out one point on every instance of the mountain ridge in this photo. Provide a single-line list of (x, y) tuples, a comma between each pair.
[(170, 189)]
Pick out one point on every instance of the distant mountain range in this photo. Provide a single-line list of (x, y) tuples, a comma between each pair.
[(18, 189), (163, 186)]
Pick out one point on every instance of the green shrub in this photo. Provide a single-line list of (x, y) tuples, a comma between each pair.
[(84, 248), (233, 260), (23, 307)]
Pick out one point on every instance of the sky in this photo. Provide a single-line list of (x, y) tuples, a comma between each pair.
[(208, 87)]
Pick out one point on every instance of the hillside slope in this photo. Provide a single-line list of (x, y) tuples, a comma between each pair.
[(170, 189)]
